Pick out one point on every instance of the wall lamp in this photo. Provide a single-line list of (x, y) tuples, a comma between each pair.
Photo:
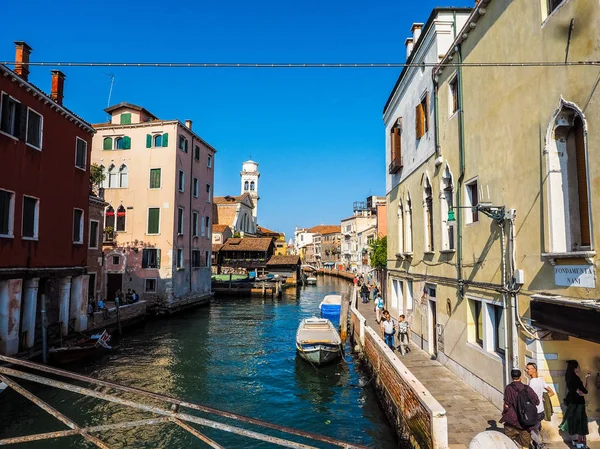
[(496, 213)]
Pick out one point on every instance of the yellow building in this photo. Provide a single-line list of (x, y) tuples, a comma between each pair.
[(512, 278), (278, 239)]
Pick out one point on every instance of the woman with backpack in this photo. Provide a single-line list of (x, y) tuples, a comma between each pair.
[(575, 420)]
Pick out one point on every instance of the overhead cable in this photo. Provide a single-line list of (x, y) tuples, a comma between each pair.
[(301, 65)]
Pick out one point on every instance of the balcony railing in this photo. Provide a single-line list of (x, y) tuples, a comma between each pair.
[(396, 165)]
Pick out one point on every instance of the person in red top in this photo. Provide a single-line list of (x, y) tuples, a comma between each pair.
[(512, 427)]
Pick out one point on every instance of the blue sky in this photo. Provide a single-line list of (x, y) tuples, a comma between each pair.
[(316, 133)]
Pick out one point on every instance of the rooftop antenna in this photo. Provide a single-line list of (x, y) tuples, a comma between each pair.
[(112, 83)]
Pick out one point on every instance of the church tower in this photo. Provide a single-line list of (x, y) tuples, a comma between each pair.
[(250, 177)]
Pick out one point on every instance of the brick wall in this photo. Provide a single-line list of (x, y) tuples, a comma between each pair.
[(416, 415)]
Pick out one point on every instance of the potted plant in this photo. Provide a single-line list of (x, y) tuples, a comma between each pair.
[(109, 232)]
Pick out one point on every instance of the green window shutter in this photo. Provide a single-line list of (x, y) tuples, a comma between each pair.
[(126, 119), (107, 145), (165, 140), (126, 143), (153, 220), (155, 178), (158, 258), (148, 141)]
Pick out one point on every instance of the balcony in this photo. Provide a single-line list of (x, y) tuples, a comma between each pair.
[(396, 165)]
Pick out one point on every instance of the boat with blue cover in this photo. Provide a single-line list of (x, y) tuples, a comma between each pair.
[(331, 307)]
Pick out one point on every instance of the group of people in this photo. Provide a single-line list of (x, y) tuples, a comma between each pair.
[(389, 328), (527, 405), (120, 299)]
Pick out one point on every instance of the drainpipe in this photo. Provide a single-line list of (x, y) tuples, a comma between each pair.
[(461, 176), (191, 238), (508, 332), (436, 114)]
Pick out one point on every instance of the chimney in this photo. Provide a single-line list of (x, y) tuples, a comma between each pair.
[(409, 46), (188, 124), (22, 59), (58, 84), (416, 31)]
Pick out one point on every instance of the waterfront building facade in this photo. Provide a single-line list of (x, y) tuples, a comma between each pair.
[(159, 187), (511, 275), (412, 162), (44, 185), (354, 257), (95, 258)]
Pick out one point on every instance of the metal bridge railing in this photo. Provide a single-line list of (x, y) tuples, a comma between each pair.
[(172, 413)]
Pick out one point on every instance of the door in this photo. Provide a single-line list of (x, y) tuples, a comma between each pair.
[(433, 349), (114, 282)]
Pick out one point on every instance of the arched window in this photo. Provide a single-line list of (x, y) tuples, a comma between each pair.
[(123, 176), (568, 182), (158, 140), (400, 228), (121, 215), (447, 203), (246, 185), (428, 209), (408, 240), (107, 143), (119, 143), (105, 173), (252, 186), (109, 222), (112, 176)]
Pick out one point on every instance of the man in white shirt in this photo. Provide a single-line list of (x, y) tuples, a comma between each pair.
[(539, 386)]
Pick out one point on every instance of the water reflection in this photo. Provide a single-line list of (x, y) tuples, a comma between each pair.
[(237, 355), (319, 386)]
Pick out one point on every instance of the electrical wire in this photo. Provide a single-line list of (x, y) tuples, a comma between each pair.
[(301, 65)]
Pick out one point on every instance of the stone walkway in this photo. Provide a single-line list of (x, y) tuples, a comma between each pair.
[(468, 412)]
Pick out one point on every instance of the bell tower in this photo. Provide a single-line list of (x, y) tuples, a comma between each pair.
[(250, 175)]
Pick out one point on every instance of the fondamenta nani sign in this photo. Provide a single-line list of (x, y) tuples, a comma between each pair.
[(583, 276)]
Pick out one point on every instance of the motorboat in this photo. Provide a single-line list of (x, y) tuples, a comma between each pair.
[(331, 308), (81, 349), (317, 341), (311, 280)]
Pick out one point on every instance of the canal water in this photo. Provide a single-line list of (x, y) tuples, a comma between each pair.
[(237, 355)]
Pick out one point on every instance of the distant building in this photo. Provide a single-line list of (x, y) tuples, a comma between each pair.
[(44, 207), (159, 186), (246, 254), (249, 184), (237, 212), (279, 237), (220, 233), (355, 237), (286, 268)]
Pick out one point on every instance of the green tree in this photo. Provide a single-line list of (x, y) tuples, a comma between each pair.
[(378, 253), (97, 177)]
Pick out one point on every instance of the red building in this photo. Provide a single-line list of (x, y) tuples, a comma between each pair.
[(44, 187)]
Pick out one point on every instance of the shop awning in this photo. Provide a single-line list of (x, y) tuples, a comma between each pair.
[(577, 318)]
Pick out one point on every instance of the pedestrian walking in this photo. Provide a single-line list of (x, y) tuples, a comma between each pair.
[(403, 335), (364, 293), (539, 386), (378, 308), (575, 420), (388, 329), (520, 410)]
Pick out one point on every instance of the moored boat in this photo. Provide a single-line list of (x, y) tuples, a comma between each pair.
[(331, 308), (311, 280), (317, 341), (81, 349)]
